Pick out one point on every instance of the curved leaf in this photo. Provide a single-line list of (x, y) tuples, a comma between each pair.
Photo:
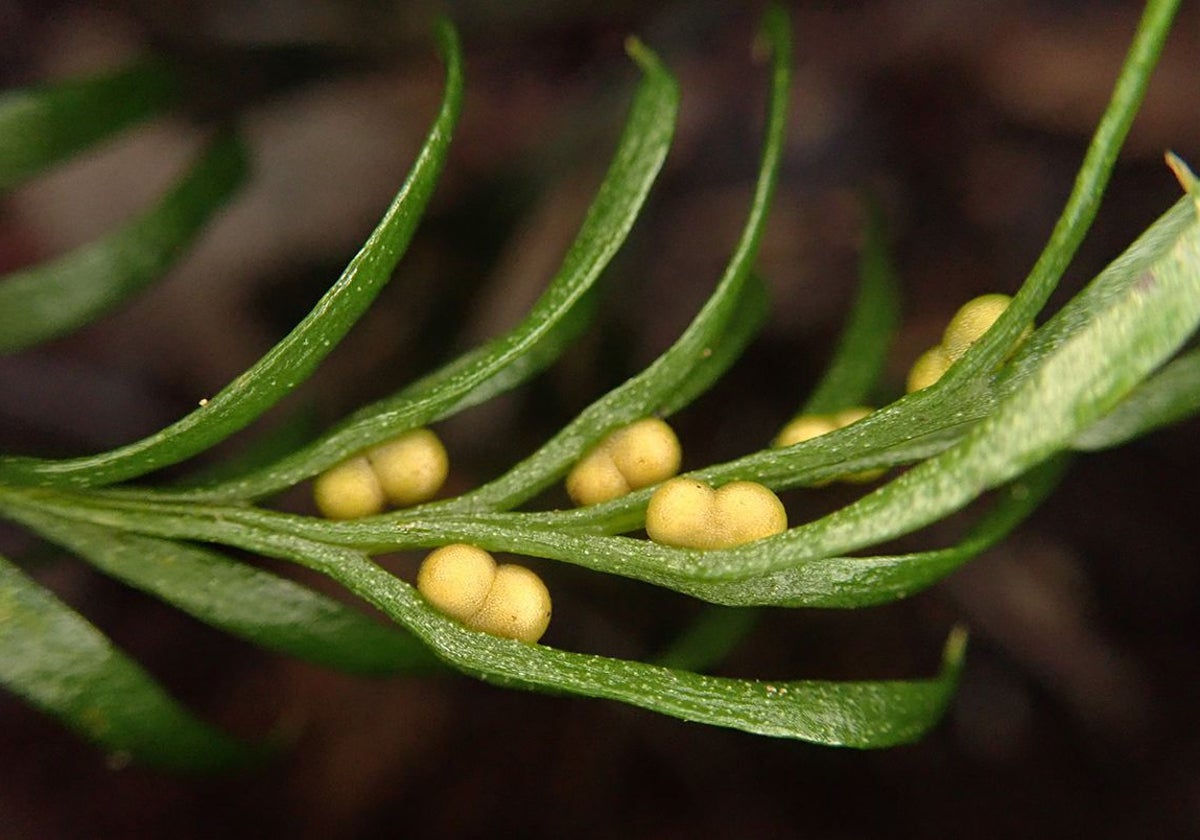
[(862, 349), (1171, 395), (53, 298), (67, 668), (240, 599), (42, 126), (854, 714), (712, 341), (859, 714), (552, 323), (294, 358), (1083, 203)]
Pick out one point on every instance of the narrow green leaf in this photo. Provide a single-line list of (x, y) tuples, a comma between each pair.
[(240, 599), (859, 714), (710, 638), (1111, 285), (818, 581), (841, 582), (550, 326), (42, 126), (294, 358), (855, 714), (851, 582), (1170, 396), (53, 298), (63, 665), (862, 350), (1080, 381), (1083, 203), (712, 342)]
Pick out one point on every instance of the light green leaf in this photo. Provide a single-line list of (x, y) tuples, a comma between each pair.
[(1083, 203), (53, 298), (63, 665), (1170, 396)]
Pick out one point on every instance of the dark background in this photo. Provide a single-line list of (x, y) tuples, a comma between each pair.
[(1076, 715)]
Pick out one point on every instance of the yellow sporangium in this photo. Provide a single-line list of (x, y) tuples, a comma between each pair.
[(970, 322), (635, 456), (808, 426), (804, 427), (688, 513), (929, 367), (409, 469), (464, 582)]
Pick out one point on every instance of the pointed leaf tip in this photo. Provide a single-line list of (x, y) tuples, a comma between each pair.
[(1184, 175)]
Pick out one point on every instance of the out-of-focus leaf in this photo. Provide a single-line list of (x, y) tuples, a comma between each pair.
[(42, 126), (708, 639), (53, 298), (63, 665), (862, 349), (261, 607)]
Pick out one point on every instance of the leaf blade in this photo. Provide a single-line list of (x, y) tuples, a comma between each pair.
[(296, 356), (54, 298), (63, 665), (265, 609), (541, 336), (863, 346), (42, 126)]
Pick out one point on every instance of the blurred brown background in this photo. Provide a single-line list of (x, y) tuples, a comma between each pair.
[(1076, 714)]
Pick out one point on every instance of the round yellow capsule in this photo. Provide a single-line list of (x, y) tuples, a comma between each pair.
[(348, 490), (850, 415), (517, 606), (680, 513), (404, 471), (638, 455), (804, 427), (456, 579), (411, 468), (747, 511), (929, 367), (464, 582), (688, 513), (970, 322), (808, 426)]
